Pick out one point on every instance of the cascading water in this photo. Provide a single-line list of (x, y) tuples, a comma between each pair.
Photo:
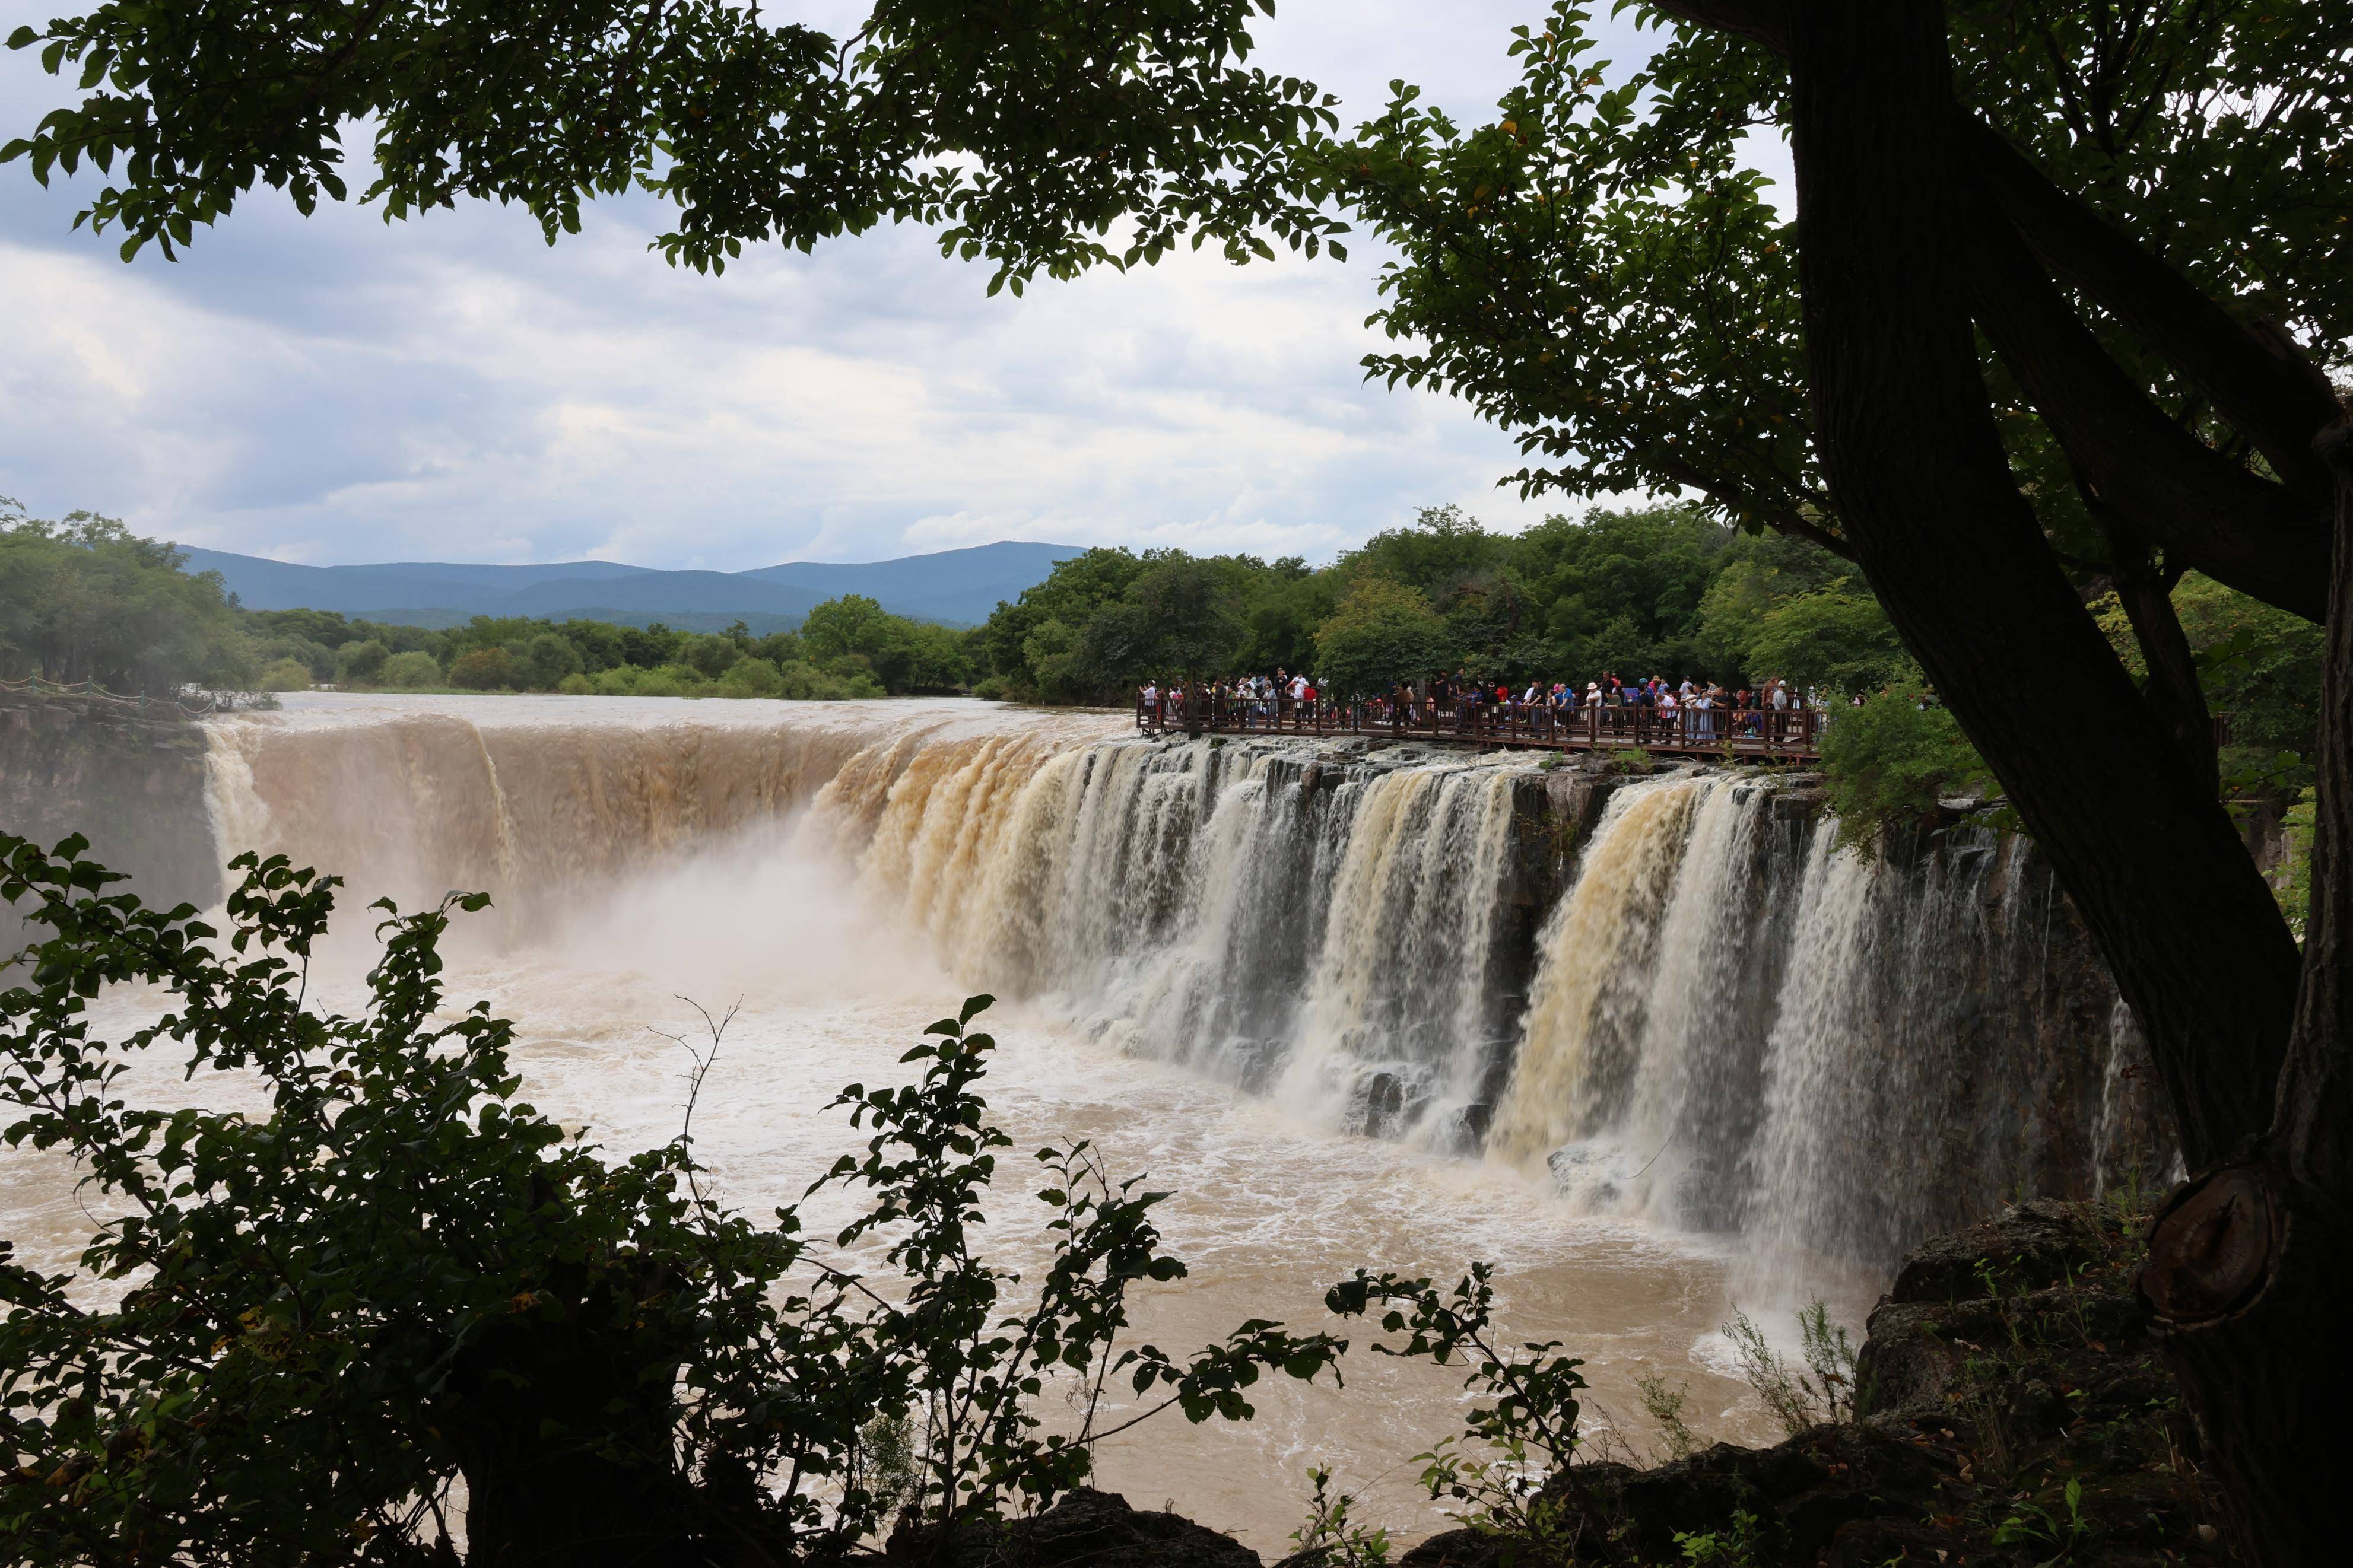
[(1699, 1010), (1325, 933), (1635, 1041), (1636, 1079)]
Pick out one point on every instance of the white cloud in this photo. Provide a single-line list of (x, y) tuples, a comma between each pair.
[(334, 389)]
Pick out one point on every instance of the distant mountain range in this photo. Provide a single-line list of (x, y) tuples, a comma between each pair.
[(959, 587)]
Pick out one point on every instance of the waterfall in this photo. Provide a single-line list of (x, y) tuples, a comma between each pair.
[(1396, 1027), (1582, 1040), (1675, 998), (413, 805)]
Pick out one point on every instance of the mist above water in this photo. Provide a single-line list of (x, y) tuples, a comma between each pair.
[(1377, 1009)]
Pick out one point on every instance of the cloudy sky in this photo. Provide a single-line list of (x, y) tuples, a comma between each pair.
[(335, 390)]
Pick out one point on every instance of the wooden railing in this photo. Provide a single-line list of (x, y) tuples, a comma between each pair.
[(1794, 733)]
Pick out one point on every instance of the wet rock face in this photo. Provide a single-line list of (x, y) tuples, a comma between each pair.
[(2009, 1364), (134, 788)]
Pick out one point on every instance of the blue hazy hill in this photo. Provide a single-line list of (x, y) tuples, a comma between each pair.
[(958, 586)]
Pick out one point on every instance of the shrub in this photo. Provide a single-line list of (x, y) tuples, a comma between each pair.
[(482, 669), (1765, 1370), (402, 1278), (576, 684), (685, 681), (1664, 1403), (315, 656), (1528, 1424), (990, 688), (361, 663), (543, 660), (1383, 632), (708, 655), (411, 671), (84, 598), (806, 682), (286, 675), (1836, 638), (752, 677), (621, 680), (1887, 764), (1331, 1538), (1799, 1400)]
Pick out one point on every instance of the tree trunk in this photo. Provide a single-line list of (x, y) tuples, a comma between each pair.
[(1907, 440), (2250, 1263), (532, 1504), (2176, 699), (566, 1442)]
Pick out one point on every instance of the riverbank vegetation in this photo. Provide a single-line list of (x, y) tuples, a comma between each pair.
[(401, 1318), (402, 1309), (847, 647), (86, 599), (1661, 590)]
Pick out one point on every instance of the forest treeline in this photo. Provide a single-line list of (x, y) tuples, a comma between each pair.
[(86, 599), (1652, 591)]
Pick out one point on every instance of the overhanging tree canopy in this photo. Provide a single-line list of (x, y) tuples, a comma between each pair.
[(2060, 302), (1024, 129)]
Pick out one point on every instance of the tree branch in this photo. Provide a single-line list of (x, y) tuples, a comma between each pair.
[(2256, 378), (2131, 459), (1764, 22), (2259, 382), (1957, 555), (1779, 519), (2173, 691)]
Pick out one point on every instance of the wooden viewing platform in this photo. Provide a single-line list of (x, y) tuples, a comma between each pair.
[(1793, 734)]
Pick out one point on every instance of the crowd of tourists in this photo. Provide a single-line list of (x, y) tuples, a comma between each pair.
[(1714, 711)]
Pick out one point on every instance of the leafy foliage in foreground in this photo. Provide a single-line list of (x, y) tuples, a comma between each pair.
[(1527, 1430), (1024, 131), (394, 1275)]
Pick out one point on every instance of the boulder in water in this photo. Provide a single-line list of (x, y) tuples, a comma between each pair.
[(1384, 1104), (1593, 1174)]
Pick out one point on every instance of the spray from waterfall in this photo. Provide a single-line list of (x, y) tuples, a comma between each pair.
[(1674, 998)]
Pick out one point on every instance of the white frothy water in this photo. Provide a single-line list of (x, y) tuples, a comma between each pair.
[(1725, 1023), (1725, 1046), (887, 861)]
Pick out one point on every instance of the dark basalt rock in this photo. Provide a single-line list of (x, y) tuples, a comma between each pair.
[(133, 787), (2010, 1360), (1084, 1529), (2032, 1246)]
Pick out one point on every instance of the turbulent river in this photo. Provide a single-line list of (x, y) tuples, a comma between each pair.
[(1656, 1047)]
